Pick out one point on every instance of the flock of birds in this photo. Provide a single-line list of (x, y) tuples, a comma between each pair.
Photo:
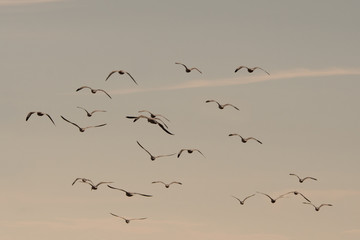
[(158, 119)]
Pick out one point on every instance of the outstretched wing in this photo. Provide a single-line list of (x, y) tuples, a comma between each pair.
[(261, 69), (194, 68), (101, 183), (131, 77), (159, 182), (182, 65), (228, 104), (101, 125), (111, 74), (141, 194), (309, 178), (28, 115), (175, 183), (253, 139), (163, 128), (50, 118), (199, 152), (83, 88), (104, 92), (180, 152), (240, 67), (248, 197), (144, 148), (70, 122), (116, 188)]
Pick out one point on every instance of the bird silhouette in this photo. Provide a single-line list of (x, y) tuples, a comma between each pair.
[(244, 140), (243, 201), (83, 180), (188, 69), (127, 220), (130, 194), (154, 115), (80, 128), (152, 121), (152, 157), (167, 185), (121, 72), (89, 114), (273, 200), (222, 106), (88, 181), (93, 90), (301, 180), (317, 208), (189, 151), (39, 114), (250, 70), (298, 193)]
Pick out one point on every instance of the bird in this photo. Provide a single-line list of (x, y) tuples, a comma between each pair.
[(154, 115), (89, 114), (152, 121), (93, 90), (83, 180), (273, 200), (39, 114), (80, 128), (318, 208), (250, 70), (188, 69), (243, 201), (152, 157), (189, 151), (121, 72), (126, 219), (222, 106), (88, 181), (244, 140), (130, 194), (298, 193), (301, 180), (167, 185)]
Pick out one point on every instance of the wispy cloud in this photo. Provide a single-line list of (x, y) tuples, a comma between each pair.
[(24, 2), (239, 80)]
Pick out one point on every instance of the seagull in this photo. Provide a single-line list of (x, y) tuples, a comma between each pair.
[(298, 193), (130, 194), (80, 128), (154, 115), (317, 208), (151, 120), (188, 69), (121, 72), (127, 220), (88, 181), (39, 114), (167, 185), (89, 114), (224, 105), (243, 201), (244, 140), (273, 200), (93, 90), (83, 180), (302, 179), (152, 156), (189, 151), (250, 70)]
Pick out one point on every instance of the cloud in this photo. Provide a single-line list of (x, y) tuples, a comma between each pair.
[(24, 2), (240, 80)]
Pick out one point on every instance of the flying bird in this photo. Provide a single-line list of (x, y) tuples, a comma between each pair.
[(88, 181), (39, 114), (244, 140), (243, 201), (152, 121), (250, 70), (222, 106), (273, 200), (93, 90), (302, 179), (154, 115), (317, 208), (83, 180), (298, 193), (80, 128), (188, 69), (167, 185), (130, 194), (126, 219), (152, 157), (189, 151), (89, 114), (121, 72)]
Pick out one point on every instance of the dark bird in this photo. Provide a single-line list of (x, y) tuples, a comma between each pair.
[(224, 105), (317, 208), (298, 193), (302, 179), (83, 180), (152, 157), (152, 121), (154, 115), (244, 140), (121, 72), (130, 194), (93, 90), (88, 181), (80, 128), (273, 200), (250, 70), (126, 219), (167, 185), (188, 69), (89, 114), (189, 151), (243, 201), (39, 114)]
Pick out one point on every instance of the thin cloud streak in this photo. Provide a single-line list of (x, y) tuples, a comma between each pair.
[(240, 79)]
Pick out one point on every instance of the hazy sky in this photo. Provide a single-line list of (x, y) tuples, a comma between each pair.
[(306, 113)]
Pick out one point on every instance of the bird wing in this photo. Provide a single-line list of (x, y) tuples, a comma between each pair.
[(76, 180), (181, 64), (207, 101), (199, 151), (70, 122), (293, 174), (50, 118), (111, 74), (194, 68), (141, 194), (97, 111), (237, 199), (228, 104), (144, 148), (131, 77), (159, 182), (28, 115), (304, 197), (101, 183), (163, 128), (104, 92), (260, 69), (175, 183), (166, 155), (240, 67), (253, 139), (159, 115), (324, 204), (84, 109), (180, 152), (265, 194), (309, 178), (136, 219), (116, 188), (101, 125), (83, 88), (248, 197), (234, 134)]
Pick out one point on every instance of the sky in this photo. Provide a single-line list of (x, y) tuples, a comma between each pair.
[(305, 113)]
